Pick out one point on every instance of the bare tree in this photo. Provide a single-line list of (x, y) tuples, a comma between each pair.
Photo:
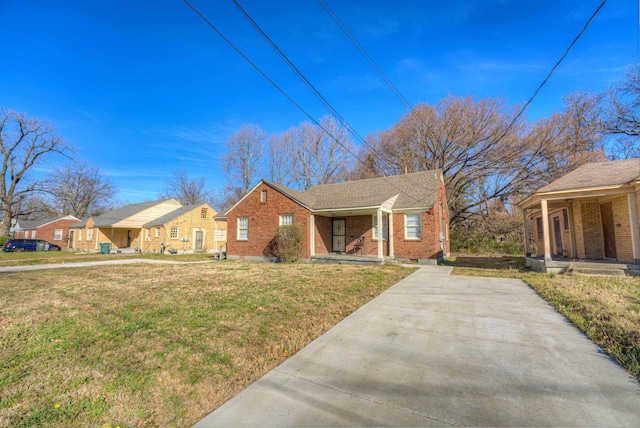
[(24, 142), (242, 163), (80, 189), (280, 148), (622, 116), (485, 152), (186, 189)]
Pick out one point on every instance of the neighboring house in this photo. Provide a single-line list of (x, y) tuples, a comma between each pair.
[(589, 214), (54, 230), (402, 217), (146, 225)]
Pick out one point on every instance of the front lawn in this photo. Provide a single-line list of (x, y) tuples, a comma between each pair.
[(160, 345), (607, 309), (53, 257)]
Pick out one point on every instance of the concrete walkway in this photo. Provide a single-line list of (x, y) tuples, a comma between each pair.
[(440, 350), (73, 264)]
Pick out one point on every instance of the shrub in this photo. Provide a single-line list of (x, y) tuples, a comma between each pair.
[(4, 239), (288, 240)]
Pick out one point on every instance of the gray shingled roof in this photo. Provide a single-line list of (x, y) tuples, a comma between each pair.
[(119, 214), (597, 174), (170, 216), (34, 224), (415, 190)]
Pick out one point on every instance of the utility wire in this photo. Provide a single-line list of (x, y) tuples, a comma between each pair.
[(263, 74), (213, 27), (309, 85)]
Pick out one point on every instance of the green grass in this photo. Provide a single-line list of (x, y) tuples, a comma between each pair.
[(160, 345), (606, 309)]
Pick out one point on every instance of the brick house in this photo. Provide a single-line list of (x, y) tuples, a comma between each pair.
[(54, 230), (145, 226), (344, 219), (589, 214)]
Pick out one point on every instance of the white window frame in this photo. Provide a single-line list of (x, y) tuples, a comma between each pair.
[(33, 234), (417, 228), (243, 228), (263, 196), (57, 234), (286, 219), (385, 227), (157, 232), (203, 213), (148, 235), (89, 233), (173, 233)]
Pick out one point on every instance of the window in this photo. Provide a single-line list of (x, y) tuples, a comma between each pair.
[(203, 213), (157, 232), (413, 226), (243, 228), (33, 234), (148, 237), (539, 227), (57, 234), (565, 216), (385, 226), (220, 235), (286, 219), (174, 233), (263, 196), (89, 234)]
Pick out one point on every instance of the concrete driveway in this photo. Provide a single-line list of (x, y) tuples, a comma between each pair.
[(440, 350)]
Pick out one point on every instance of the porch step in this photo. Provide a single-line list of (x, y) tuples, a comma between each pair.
[(597, 271), (350, 259)]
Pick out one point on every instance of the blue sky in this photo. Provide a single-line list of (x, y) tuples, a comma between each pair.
[(142, 88)]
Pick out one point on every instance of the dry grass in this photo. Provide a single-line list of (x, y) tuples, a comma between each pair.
[(160, 345), (607, 309)]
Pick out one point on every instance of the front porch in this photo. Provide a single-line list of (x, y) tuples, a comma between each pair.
[(351, 259), (559, 264)]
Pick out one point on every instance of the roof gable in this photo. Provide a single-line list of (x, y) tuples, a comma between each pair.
[(177, 213), (135, 215)]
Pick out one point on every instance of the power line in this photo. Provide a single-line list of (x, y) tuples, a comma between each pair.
[(213, 27), (306, 81)]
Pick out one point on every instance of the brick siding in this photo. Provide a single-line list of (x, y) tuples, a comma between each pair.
[(264, 218), (47, 232)]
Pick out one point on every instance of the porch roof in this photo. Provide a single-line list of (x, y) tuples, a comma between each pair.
[(110, 218), (590, 180)]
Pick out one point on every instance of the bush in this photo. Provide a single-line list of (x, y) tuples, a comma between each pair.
[(4, 239), (464, 240), (288, 240)]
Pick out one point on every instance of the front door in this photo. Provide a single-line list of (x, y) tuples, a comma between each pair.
[(339, 244), (198, 246), (608, 230), (128, 238), (557, 232)]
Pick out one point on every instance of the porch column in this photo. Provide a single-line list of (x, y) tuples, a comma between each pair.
[(312, 235), (572, 231), (632, 201), (525, 221), (390, 232), (545, 231), (380, 235)]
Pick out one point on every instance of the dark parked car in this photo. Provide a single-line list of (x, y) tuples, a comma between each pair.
[(17, 245)]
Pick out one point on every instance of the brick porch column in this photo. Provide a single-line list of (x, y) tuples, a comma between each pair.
[(545, 231), (632, 201)]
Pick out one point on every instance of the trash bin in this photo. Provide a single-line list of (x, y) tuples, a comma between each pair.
[(105, 247), (41, 246)]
